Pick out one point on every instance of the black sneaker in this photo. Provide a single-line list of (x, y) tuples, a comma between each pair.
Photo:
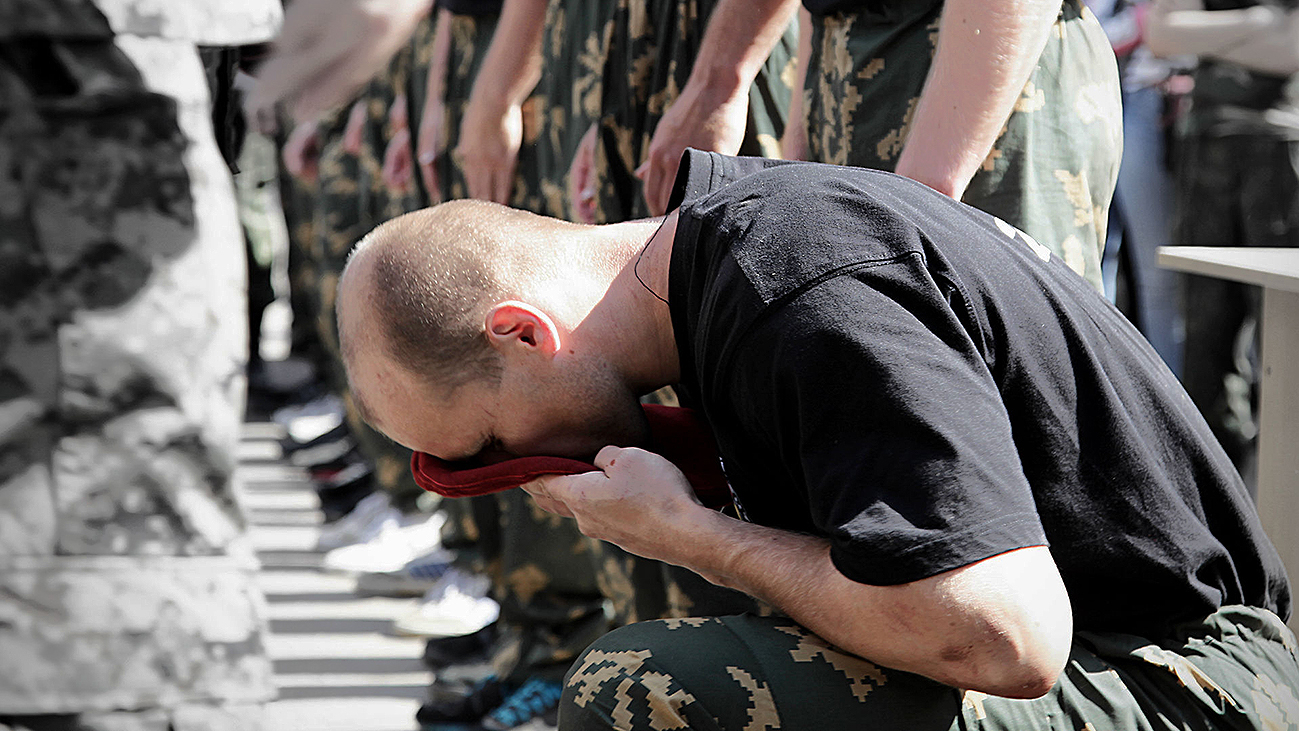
[(459, 705), (288, 445), (324, 453), (441, 652), (342, 491)]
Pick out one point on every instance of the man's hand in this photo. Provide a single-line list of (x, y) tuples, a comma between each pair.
[(490, 137), (699, 118), (398, 162), (354, 130), (302, 152), (328, 49), (713, 108), (638, 501), (431, 144), (581, 177), (431, 141), (1002, 625)]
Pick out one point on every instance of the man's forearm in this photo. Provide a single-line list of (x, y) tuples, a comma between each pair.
[(986, 53), (512, 65), (794, 143), (1001, 626), (711, 112), (738, 40), (440, 57), (1259, 37)]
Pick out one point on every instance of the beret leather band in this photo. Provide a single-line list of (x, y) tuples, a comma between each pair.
[(675, 433)]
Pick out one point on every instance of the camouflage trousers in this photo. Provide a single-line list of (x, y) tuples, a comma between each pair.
[(351, 200), (128, 580), (470, 37), (1236, 669), (1231, 191), (651, 53), (1051, 173), (543, 578), (567, 98)]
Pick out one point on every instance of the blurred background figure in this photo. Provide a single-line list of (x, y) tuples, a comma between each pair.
[(128, 584), (1237, 184), (1142, 215)]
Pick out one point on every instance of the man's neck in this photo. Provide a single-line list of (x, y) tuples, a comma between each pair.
[(640, 338)]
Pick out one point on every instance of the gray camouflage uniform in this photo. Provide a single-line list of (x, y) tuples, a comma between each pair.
[(126, 583)]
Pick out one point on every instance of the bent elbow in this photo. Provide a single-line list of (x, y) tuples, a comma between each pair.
[(1028, 682), (1008, 677), (1018, 665)]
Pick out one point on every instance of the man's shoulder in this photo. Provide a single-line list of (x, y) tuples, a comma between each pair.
[(786, 226)]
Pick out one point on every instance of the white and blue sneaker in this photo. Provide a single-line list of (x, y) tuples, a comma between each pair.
[(456, 605)]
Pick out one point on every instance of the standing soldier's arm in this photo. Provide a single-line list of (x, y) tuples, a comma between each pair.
[(793, 144), (986, 51), (431, 139), (1259, 37), (328, 49), (712, 110), (491, 131)]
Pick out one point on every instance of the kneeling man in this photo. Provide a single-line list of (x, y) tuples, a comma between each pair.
[(972, 490)]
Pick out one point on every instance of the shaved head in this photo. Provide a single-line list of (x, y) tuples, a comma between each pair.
[(471, 328), (418, 287)]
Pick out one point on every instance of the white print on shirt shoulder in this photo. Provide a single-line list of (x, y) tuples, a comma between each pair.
[(1042, 252)]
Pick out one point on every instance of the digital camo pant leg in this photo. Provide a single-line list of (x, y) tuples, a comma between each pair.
[(129, 598), (551, 605), (1051, 172), (1236, 669)]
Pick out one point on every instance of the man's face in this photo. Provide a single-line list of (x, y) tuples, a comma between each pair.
[(560, 408)]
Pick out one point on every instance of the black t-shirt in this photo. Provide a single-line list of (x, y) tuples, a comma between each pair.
[(927, 387)]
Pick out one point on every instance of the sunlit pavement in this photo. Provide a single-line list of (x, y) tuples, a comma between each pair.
[(338, 665)]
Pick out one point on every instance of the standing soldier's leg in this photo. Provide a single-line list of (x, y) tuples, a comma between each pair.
[(128, 579), (1051, 173)]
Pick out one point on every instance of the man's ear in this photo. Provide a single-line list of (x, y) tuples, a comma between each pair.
[(518, 324)]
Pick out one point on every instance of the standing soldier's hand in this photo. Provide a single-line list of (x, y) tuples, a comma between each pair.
[(490, 136), (302, 152), (698, 118), (581, 178)]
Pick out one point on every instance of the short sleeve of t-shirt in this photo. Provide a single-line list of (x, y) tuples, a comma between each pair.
[(888, 420)]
